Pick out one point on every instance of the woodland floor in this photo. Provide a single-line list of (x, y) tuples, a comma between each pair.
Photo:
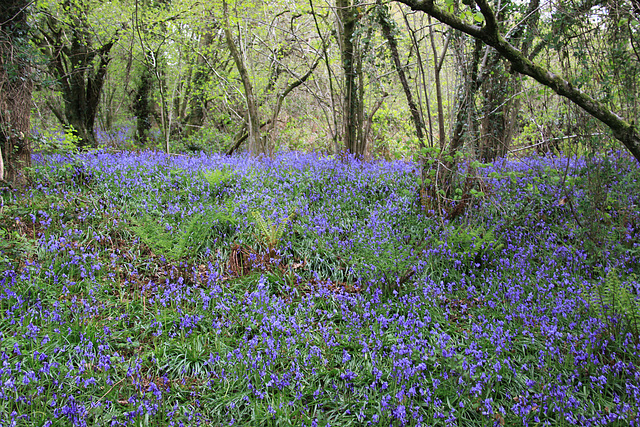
[(146, 289)]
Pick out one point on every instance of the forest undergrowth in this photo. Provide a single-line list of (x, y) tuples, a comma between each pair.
[(145, 289)]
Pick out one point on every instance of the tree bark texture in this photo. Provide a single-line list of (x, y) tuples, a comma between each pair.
[(489, 33), (500, 104), (466, 97), (15, 93), (498, 107), (346, 30), (142, 105), (437, 68), (197, 100)]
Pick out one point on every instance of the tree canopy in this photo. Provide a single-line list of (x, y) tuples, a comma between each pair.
[(339, 76)]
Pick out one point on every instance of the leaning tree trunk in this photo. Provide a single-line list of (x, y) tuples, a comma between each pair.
[(490, 34), (15, 93), (387, 31)]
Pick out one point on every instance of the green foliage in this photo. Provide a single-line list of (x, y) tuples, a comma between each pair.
[(611, 297), (14, 246), (207, 139), (270, 232), (604, 212), (219, 179), (449, 183), (392, 133), (605, 195), (297, 135), (18, 217), (202, 231), (472, 244), (57, 139), (185, 359)]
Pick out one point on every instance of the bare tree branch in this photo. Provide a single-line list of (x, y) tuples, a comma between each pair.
[(622, 130)]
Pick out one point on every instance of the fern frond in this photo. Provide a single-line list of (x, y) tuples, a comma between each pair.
[(263, 227), (219, 177), (270, 232), (279, 232), (612, 297), (175, 244)]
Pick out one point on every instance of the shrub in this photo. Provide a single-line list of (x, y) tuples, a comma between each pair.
[(55, 140)]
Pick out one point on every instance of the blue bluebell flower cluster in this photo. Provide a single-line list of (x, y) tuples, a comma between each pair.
[(97, 329)]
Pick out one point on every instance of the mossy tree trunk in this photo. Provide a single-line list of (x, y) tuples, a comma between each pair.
[(15, 92), (500, 88), (466, 93), (437, 69), (197, 97), (347, 19), (142, 106)]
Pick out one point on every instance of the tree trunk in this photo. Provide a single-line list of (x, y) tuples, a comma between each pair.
[(142, 105), (15, 93), (437, 68), (87, 80), (387, 32), (255, 141), (500, 88), (325, 43), (361, 140), (197, 100), (497, 91), (466, 99), (72, 62), (346, 30), (281, 97)]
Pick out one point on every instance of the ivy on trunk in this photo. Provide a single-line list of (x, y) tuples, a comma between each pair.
[(79, 67), (15, 92)]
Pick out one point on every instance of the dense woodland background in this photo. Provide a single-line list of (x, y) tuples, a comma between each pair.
[(376, 79)]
